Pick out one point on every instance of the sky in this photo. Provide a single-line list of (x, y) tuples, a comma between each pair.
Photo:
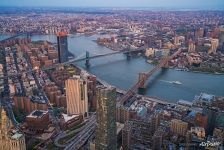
[(199, 4)]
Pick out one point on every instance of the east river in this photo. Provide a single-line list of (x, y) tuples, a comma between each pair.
[(123, 73)]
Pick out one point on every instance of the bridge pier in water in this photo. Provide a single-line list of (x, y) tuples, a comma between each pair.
[(128, 55), (141, 79), (166, 65), (87, 63)]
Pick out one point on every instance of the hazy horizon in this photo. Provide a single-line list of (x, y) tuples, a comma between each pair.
[(168, 4)]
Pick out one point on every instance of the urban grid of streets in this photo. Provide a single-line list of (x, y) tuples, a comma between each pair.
[(199, 36)]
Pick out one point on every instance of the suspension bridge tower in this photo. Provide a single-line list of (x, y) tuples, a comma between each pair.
[(87, 64), (141, 79), (128, 53)]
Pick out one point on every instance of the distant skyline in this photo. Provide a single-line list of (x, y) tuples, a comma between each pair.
[(194, 4)]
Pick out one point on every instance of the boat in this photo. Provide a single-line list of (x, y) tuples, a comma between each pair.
[(149, 61), (176, 82), (178, 69), (181, 69), (217, 73)]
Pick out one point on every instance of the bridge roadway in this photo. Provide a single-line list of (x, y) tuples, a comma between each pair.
[(12, 37), (91, 57), (101, 55)]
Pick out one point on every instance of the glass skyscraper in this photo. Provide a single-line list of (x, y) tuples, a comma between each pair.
[(106, 138), (62, 47)]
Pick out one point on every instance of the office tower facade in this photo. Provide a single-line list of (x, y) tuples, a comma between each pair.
[(62, 47), (106, 119), (176, 40), (221, 38), (155, 122), (214, 46), (92, 81), (220, 119), (201, 120), (76, 96), (211, 113), (157, 140), (178, 127), (191, 47), (10, 139), (137, 133), (126, 136)]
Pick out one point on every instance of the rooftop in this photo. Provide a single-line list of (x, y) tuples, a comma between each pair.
[(62, 34), (120, 126), (67, 117), (37, 113), (16, 136)]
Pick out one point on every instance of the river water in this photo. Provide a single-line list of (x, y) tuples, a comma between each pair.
[(123, 73)]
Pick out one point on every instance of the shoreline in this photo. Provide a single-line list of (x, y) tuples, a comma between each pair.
[(202, 72), (189, 70), (206, 72), (95, 41)]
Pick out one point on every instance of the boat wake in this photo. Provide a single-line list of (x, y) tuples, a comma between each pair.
[(172, 82)]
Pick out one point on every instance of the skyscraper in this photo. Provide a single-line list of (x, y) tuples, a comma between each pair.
[(191, 46), (10, 139), (62, 47), (178, 127), (214, 45), (212, 115), (157, 140), (106, 119), (137, 132), (76, 96), (221, 38)]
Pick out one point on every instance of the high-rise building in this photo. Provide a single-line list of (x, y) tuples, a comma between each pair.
[(191, 47), (201, 120), (155, 121), (62, 47), (214, 46), (10, 138), (137, 133), (76, 96), (157, 140), (106, 119), (221, 38), (178, 127), (126, 136), (212, 115), (220, 119), (176, 40), (92, 80), (122, 114), (219, 133), (199, 33)]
